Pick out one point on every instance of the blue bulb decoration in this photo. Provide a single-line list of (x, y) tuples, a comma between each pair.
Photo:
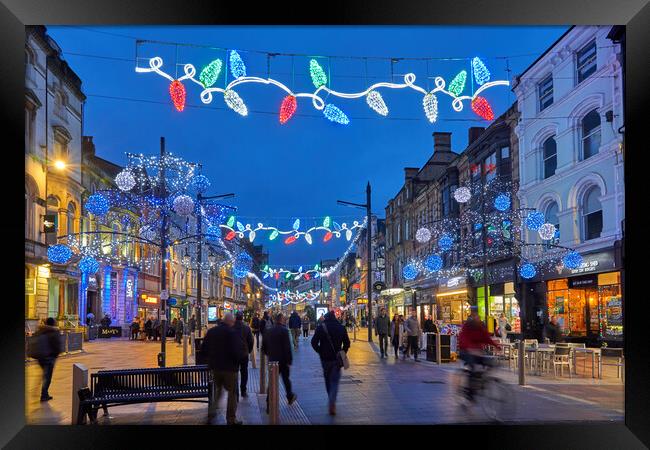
[(527, 271), (89, 265), (433, 263), (334, 114), (535, 220), (213, 232), (97, 204), (199, 184), (59, 254), (572, 260), (478, 226), (242, 265), (237, 66), (410, 272), (502, 202), (445, 242), (481, 73)]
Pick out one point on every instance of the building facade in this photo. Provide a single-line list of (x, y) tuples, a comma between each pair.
[(571, 168)]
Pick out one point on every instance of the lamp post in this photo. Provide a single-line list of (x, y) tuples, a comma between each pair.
[(369, 251)]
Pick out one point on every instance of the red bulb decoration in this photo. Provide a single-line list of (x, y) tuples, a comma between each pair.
[(288, 107), (481, 107), (307, 277), (277, 275), (177, 93), (290, 240), (328, 236), (230, 236)]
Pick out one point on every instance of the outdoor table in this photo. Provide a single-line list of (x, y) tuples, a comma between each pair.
[(595, 352), (539, 354)]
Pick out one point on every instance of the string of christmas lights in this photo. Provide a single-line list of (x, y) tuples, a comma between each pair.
[(270, 272), (209, 74)]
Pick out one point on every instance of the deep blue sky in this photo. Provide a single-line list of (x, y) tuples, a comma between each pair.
[(280, 172)]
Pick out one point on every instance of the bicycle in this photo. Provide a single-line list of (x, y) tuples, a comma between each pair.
[(496, 398)]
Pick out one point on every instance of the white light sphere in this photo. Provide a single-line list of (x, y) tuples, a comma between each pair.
[(462, 195), (125, 180), (423, 235), (547, 231), (183, 205)]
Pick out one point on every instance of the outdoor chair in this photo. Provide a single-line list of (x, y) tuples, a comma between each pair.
[(617, 359), (562, 357)]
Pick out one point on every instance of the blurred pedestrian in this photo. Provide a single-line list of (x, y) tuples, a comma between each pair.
[(246, 336), (294, 325), (46, 346), (396, 333), (276, 346), (382, 329), (180, 329), (192, 324), (429, 326), (552, 331), (135, 328), (148, 328), (329, 338), (106, 321), (305, 326), (156, 329), (255, 326), (413, 331), (224, 350), (503, 326)]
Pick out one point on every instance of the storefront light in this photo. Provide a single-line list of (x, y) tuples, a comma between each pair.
[(44, 271), (445, 294)]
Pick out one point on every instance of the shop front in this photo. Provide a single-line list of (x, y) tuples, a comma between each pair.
[(394, 300), (452, 301), (501, 300), (148, 306), (425, 300)]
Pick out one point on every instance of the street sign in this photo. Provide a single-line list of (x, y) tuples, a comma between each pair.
[(378, 286), (164, 294), (171, 301)]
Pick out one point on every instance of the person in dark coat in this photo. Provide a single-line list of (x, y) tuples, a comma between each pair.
[(49, 342), (429, 326), (382, 329), (276, 345), (192, 324), (552, 331), (155, 328), (255, 327), (305, 326), (245, 334), (148, 328), (106, 321), (294, 325), (224, 350), (135, 329), (327, 351), (180, 328)]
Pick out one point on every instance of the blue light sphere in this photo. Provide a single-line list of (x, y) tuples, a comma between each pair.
[(572, 260), (535, 220), (445, 242), (199, 184), (502, 202), (97, 204), (242, 265), (410, 272), (433, 263), (527, 271), (59, 253), (89, 265), (213, 232)]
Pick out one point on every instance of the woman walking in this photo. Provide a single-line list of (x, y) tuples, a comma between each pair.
[(395, 334)]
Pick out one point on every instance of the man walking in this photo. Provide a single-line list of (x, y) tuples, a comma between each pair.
[(255, 325), (276, 346), (413, 333), (244, 332), (329, 338), (294, 325), (382, 328), (46, 348), (305, 326), (224, 350)]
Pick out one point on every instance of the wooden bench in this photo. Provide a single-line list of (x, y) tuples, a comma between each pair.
[(129, 386)]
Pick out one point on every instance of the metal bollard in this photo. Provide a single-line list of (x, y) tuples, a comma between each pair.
[(438, 350), (262, 373), (274, 393), (184, 349), (522, 369)]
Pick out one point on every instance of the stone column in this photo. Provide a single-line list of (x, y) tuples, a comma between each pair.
[(61, 298)]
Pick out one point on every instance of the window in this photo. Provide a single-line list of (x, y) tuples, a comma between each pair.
[(504, 164), (53, 208), (592, 214), (70, 218), (406, 230), (590, 134), (551, 217), (550, 157), (586, 61), (490, 167), (545, 92), (399, 234)]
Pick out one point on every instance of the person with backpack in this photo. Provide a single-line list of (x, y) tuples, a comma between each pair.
[(244, 332), (329, 339), (46, 347)]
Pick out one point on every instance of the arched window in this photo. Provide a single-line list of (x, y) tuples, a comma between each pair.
[(550, 157), (592, 214), (71, 216), (590, 134), (551, 217)]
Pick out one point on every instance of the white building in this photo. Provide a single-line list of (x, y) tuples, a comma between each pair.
[(571, 168)]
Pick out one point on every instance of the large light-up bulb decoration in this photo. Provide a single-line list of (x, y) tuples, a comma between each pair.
[(210, 73), (457, 85), (317, 73), (376, 102), (430, 105), (334, 114), (177, 93), (237, 66), (481, 73), (288, 108), (234, 102)]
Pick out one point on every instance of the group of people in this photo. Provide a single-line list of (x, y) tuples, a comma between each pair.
[(405, 334), (152, 328), (228, 345)]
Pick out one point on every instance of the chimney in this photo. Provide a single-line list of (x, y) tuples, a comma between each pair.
[(441, 141), (474, 133), (87, 146), (410, 172)]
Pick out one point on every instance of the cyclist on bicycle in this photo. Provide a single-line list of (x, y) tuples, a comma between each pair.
[(472, 339)]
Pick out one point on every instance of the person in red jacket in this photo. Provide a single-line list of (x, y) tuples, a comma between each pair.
[(472, 339)]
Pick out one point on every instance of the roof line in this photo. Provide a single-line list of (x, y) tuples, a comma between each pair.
[(546, 51)]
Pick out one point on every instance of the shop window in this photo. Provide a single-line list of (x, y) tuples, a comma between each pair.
[(490, 167), (586, 61), (590, 134), (550, 157), (592, 215)]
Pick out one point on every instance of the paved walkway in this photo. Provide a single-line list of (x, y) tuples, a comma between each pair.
[(372, 391)]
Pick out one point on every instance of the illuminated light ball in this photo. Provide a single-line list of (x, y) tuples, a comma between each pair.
[(423, 235), (410, 272), (433, 263), (243, 264), (445, 242), (125, 180), (59, 253), (547, 231), (527, 271), (502, 202), (183, 205), (213, 232), (97, 204), (572, 260), (334, 114), (89, 265), (462, 194), (535, 220), (199, 184), (148, 232)]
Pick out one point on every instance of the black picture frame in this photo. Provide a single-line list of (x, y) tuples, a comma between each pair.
[(634, 14)]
